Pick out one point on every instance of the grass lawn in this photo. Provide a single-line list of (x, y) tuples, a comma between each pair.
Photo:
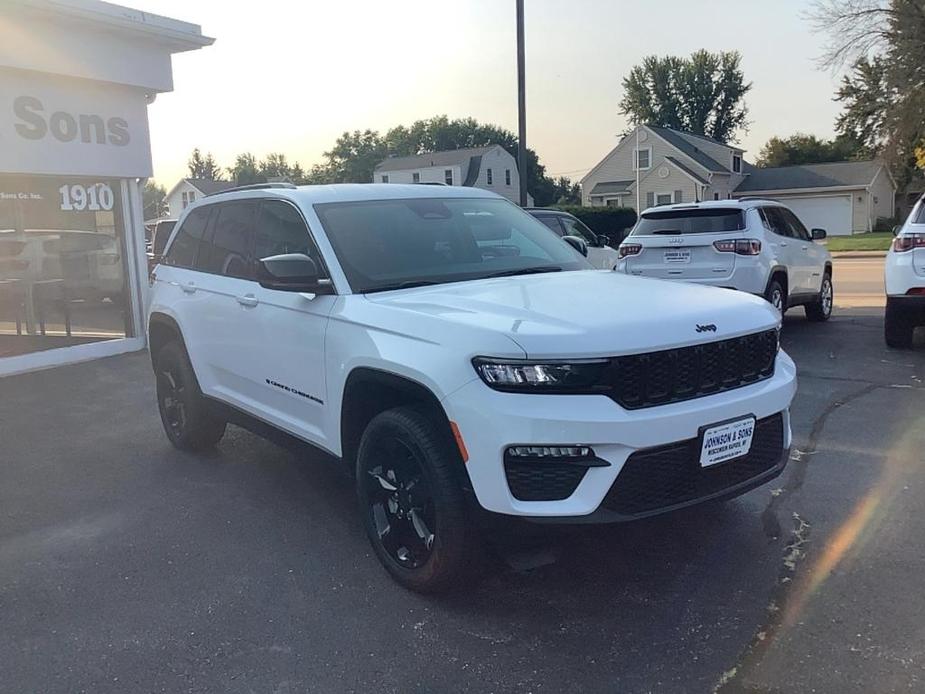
[(877, 241)]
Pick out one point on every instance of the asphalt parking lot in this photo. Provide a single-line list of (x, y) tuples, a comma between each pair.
[(126, 565)]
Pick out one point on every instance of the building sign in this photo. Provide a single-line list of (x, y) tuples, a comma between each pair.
[(64, 126)]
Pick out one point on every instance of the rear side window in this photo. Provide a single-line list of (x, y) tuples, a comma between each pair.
[(693, 221), (161, 234), (230, 252), (776, 222), (920, 215), (185, 247)]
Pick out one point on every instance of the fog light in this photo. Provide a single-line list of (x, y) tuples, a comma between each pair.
[(552, 452)]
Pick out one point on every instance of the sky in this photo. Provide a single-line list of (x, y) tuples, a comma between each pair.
[(292, 75)]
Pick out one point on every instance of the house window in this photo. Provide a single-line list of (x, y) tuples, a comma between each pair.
[(488, 176), (192, 197), (385, 178), (736, 163), (185, 197), (448, 176), (507, 177), (716, 196), (415, 178), (643, 158), (663, 199)]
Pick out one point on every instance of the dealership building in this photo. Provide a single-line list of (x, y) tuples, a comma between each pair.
[(76, 78)]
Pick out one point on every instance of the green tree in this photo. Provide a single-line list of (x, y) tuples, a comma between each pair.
[(808, 149), (153, 200), (883, 95), (703, 94), (203, 167), (245, 170), (275, 166)]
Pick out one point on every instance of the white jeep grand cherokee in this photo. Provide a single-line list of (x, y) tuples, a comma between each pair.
[(904, 275), (459, 358)]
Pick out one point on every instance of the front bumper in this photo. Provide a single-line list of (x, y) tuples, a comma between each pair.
[(491, 421)]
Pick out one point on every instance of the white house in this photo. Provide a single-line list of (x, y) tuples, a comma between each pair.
[(675, 166), (188, 190), (491, 168)]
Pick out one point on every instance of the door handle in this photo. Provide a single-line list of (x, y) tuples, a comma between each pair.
[(189, 287), (805, 248), (248, 300), (783, 243)]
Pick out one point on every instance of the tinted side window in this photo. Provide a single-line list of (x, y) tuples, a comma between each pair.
[(775, 221), (552, 222), (280, 229), (230, 250), (799, 231), (161, 234), (575, 227), (185, 247)]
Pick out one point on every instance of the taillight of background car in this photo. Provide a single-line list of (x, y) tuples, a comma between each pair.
[(628, 249), (739, 246), (907, 242)]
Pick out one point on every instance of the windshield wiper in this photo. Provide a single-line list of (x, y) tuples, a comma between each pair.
[(525, 271), (401, 285)]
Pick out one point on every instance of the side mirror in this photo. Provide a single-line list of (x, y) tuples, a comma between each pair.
[(602, 240), (577, 243), (818, 234), (290, 272)]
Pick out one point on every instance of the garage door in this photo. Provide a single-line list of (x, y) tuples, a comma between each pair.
[(832, 213)]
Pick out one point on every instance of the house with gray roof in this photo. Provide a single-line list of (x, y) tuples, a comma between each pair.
[(653, 166), (490, 168)]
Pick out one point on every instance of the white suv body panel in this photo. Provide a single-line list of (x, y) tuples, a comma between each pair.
[(804, 261), (285, 357), (906, 270)]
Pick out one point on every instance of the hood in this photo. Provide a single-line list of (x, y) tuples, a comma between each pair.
[(589, 313)]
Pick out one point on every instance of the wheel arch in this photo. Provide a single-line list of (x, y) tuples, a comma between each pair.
[(162, 328), (369, 391), (778, 272)]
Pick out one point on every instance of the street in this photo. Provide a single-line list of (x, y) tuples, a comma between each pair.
[(126, 565)]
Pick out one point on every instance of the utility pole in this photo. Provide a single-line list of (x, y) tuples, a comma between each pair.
[(521, 107)]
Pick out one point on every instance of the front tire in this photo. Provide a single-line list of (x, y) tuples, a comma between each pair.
[(410, 495), (898, 326), (188, 420), (821, 310)]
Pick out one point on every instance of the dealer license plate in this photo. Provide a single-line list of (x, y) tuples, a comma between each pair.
[(678, 255), (726, 441)]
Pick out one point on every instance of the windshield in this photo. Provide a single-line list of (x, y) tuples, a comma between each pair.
[(692, 221), (390, 244)]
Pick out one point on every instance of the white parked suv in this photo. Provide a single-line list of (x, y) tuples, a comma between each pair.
[(756, 246), (905, 280), (456, 356)]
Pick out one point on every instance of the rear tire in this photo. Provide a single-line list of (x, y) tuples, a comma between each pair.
[(188, 419), (411, 499), (821, 310), (898, 326), (776, 296)]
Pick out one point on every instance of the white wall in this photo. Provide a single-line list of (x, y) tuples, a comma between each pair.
[(499, 161), (175, 199), (429, 174)]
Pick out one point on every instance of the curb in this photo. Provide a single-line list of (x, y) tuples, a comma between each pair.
[(858, 254)]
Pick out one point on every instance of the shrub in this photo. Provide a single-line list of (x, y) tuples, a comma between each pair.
[(612, 222), (884, 224)]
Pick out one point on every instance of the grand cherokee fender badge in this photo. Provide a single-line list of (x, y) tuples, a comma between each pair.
[(708, 328)]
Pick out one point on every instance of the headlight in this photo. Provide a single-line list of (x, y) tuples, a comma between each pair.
[(546, 376)]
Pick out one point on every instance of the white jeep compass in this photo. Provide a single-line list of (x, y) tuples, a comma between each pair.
[(753, 245), (460, 359)]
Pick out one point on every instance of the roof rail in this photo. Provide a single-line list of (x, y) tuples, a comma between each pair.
[(253, 186), (430, 183), (756, 197)]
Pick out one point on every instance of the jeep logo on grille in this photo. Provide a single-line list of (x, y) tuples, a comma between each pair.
[(708, 328)]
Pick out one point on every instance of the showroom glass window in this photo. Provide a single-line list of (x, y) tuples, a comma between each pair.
[(62, 263)]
